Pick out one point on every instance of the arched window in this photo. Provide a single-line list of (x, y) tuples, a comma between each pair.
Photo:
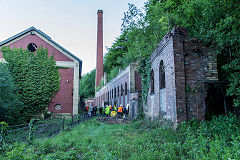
[(161, 75), (118, 91), (112, 93), (115, 92), (152, 83), (125, 88), (121, 89)]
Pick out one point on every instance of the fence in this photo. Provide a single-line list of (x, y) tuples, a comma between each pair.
[(41, 129)]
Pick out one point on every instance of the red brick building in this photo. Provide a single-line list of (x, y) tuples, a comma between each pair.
[(67, 98)]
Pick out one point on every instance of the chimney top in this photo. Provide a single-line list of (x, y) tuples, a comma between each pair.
[(100, 11)]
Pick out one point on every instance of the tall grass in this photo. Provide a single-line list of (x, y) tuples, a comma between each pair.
[(143, 139)]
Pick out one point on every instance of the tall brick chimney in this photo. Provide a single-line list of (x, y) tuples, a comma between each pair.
[(99, 62)]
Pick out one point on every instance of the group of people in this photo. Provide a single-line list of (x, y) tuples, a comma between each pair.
[(91, 111), (108, 110)]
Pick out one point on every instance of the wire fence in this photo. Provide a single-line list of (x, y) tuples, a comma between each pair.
[(42, 128)]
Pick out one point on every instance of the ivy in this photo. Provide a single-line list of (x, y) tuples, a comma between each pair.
[(36, 76)]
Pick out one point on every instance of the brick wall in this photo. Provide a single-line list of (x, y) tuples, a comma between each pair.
[(64, 97), (25, 41), (164, 52), (188, 65)]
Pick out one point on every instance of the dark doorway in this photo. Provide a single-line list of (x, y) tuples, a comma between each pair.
[(215, 101)]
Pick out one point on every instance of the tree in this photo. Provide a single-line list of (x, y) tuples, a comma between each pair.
[(10, 104), (36, 77), (87, 85)]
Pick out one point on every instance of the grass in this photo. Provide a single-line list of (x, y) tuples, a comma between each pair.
[(216, 139)]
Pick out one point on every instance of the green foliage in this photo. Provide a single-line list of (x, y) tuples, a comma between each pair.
[(3, 133), (30, 131), (216, 24), (87, 85), (113, 73), (36, 77), (213, 22), (101, 84), (145, 139), (10, 104), (140, 36)]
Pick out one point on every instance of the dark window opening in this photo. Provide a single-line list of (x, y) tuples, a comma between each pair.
[(32, 47), (121, 89), (152, 83), (161, 75), (125, 88), (118, 91)]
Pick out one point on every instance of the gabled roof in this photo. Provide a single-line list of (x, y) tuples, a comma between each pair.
[(44, 35)]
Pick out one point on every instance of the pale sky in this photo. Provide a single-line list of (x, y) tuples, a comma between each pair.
[(70, 23)]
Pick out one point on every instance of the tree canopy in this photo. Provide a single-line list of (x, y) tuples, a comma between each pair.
[(215, 23)]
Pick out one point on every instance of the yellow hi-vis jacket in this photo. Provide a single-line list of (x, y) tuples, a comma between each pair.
[(107, 110)]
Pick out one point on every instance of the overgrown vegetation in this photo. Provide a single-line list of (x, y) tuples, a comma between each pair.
[(36, 78), (87, 85), (10, 103), (213, 22), (216, 139)]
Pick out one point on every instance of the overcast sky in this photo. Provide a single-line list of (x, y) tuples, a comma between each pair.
[(70, 23)]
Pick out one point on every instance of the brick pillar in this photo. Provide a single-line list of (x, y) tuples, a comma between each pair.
[(99, 62)]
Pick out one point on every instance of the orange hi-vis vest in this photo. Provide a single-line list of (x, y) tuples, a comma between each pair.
[(120, 109)]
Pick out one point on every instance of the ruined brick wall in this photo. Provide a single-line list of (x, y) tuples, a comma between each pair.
[(188, 65), (200, 66), (127, 85), (152, 109)]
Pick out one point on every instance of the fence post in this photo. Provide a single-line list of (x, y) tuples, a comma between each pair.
[(72, 120), (30, 132), (63, 120), (78, 117), (3, 133)]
